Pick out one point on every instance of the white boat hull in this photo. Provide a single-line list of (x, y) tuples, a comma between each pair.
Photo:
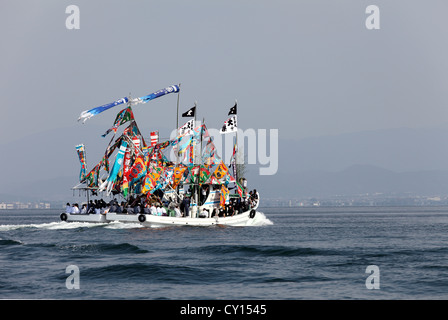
[(95, 218), (242, 219)]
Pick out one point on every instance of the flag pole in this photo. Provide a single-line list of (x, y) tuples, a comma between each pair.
[(236, 142), (177, 127), (177, 118)]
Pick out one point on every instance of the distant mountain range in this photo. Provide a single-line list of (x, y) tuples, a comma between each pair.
[(46, 166), (355, 180)]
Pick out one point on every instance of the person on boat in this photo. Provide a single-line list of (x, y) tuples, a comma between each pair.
[(113, 206), (187, 206), (230, 210), (214, 212), (153, 209), (178, 213), (97, 207), (159, 210), (203, 193), (91, 207), (75, 208), (84, 209), (144, 208), (204, 213), (164, 213), (68, 208)]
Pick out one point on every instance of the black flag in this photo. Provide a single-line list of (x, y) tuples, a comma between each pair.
[(189, 113), (232, 110)]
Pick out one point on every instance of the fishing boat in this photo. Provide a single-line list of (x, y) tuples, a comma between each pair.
[(180, 181)]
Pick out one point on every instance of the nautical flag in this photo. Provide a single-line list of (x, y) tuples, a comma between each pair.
[(82, 158), (187, 128), (190, 113), (232, 110), (229, 126), (154, 138), (123, 116)]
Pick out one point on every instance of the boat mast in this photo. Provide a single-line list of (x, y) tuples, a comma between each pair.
[(177, 127), (237, 148)]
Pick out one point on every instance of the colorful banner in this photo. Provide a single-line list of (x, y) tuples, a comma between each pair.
[(105, 162), (177, 176), (167, 177), (137, 170), (82, 158), (154, 138), (223, 196), (240, 189), (194, 172), (92, 177), (220, 171), (126, 169), (151, 179), (114, 172), (123, 116), (204, 174)]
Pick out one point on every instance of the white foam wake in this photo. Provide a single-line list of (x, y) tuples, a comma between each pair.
[(50, 226), (260, 219)]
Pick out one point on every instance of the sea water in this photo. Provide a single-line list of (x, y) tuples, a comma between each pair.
[(287, 254)]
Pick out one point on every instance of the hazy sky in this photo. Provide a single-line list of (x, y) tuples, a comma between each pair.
[(307, 68)]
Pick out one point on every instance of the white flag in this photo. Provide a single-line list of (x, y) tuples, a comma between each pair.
[(187, 128), (229, 125)]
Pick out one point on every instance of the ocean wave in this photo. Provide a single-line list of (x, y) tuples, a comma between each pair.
[(103, 248), (257, 250), (157, 273), (7, 242)]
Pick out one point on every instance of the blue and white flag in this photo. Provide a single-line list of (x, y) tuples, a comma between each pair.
[(157, 94), (87, 114)]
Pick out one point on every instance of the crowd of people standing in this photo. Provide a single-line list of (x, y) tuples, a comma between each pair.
[(155, 206)]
